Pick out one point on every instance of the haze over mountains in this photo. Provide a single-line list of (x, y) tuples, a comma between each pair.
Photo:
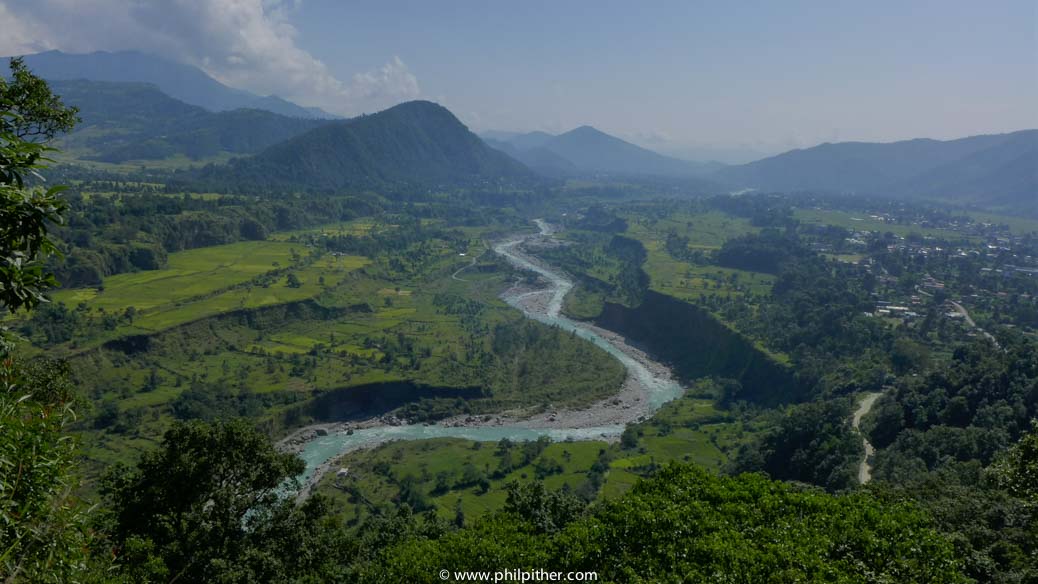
[(137, 107), (136, 121), (588, 150), (999, 169), (184, 82)]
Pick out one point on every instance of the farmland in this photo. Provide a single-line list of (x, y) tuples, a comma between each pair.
[(208, 281), (450, 475), (259, 328)]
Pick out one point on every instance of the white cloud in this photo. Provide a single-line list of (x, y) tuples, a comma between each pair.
[(248, 44), (389, 82), (20, 35)]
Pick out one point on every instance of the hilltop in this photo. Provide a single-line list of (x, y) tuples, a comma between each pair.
[(414, 143), (587, 150)]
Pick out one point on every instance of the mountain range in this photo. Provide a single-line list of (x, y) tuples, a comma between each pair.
[(138, 107), (999, 169), (410, 144), (137, 122), (184, 82), (413, 143), (586, 150)]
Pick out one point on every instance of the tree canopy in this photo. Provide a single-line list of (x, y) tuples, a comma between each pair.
[(687, 525), (28, 110), (207, 505), (34, 112)]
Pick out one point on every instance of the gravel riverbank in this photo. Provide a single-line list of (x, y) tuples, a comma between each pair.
[(542, 301)]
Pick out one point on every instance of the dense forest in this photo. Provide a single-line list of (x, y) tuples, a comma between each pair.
[(414, 143), (134, 121)]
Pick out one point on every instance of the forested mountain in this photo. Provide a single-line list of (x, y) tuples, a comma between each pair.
[(531, 140), (183, 82), (416, 143), (592, 149), (589, 150), (1000, 169), (137, 121), (539, 159), (1003, 174)]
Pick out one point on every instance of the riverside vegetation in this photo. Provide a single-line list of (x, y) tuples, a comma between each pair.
[(200, 319)]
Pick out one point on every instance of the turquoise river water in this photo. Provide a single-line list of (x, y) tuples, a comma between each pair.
[(657, 389)]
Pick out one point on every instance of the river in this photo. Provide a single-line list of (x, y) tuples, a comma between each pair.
[(649, 384)]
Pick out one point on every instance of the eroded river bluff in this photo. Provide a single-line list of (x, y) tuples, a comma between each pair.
[(647, 387)]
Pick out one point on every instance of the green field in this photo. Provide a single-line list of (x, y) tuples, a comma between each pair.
[(226, 339), (686, 280), (707, 230), (861, 221), (79, 156), (189, 273), (1018, 225), (445, 471), (356, 227), (208, 281), (377, 477)]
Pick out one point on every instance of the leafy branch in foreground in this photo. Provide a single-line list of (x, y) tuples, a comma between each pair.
[(44, 528), (25, 216), (36, 113)]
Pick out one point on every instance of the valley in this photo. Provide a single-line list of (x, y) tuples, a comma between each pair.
[(248, 341), (648, 385)]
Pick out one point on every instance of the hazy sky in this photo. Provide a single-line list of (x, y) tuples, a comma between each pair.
[(671, 75)]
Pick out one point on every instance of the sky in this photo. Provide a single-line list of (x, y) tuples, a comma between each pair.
[(722, 80)]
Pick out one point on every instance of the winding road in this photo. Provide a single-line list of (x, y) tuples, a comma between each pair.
[(969, 320), (471, 263), (864, 407)]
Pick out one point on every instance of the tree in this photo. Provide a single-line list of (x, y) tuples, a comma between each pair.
[(27, 109), (1017, 469), (689, 525), (43, 526), (908, 355), (546, 511), (206, 507), (293, 281), (36, 114), (811, 443), (44, 535)]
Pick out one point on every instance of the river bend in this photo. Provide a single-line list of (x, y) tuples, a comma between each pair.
[(648, 386)]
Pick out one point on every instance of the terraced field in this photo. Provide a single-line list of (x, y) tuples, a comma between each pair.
[(208, 281), (224, 332)]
